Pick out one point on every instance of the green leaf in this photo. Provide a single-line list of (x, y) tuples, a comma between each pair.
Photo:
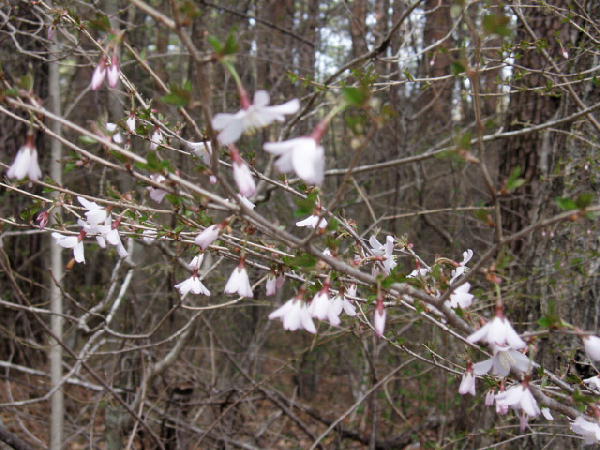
[(514, 181), (100, 23), (216, 44), (457, 68), (26, 82), (566, 204), (302, 260), (231, 45), (306, 206), (87, 139), (356, 96), (178, 95), (584, 200), (496, 24)]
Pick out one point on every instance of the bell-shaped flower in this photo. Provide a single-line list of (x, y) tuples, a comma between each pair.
[(113, 237), (385, 250), (208, 236), (238, 282), (347, 305), (113, 71), (98, 75), (312, 221), (460, 297), (242, 174), (519, 397), (589, 430), (462, 268), (319, 307), (193, 285), (379, 317), (295, 315), (74, 242), (113, 130), (95, 214), (499, 333), (26, 162), (156, 139), (99, 231), (256, 115), (157, 194), (592, 347), (131, 123), (489, 398), (274, 283), (467, 384), (302, 155)]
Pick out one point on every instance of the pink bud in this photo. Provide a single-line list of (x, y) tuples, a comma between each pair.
[(99, 75)]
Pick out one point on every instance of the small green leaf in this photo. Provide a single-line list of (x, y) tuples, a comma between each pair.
[(514, 181), (305, 260), (355, 96), (566, 204), (306, 206), (496, 24), (584, 200), (100, 23), (457, 68), (87, 139), (178, 95)]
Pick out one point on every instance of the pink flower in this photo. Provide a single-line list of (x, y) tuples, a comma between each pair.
[(113, 237), (113, 130), (208, 236), (99, 74), (592, 347), (239, 282), (42, 219), (74, 242), (241, 174), (489, 398), (251, 116), (26, 162), (295, 315)]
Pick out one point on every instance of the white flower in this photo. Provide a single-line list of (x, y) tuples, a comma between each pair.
[(386, 250), (311, 222), (74, 242), (274, 283), (201, 149), (319, 307), (26, 162), (113, 71), (157, 194), (593, 383), (502, 362), (156, 139), (95, 214), (239, 283), (302, 155), (347, 305), (149, 236), (461, 297), (489, 398), (546, 413), (243, 178), (196, 262), (520, 398), (418, 273), (589, 430), (113, 237), (592, 347), (251, 116), (467, 384), (193, 285), (113, 130), (295, 315), (131, 123), (208, 236), (499, 333), (461, 267), (379, 321), (98, 75)]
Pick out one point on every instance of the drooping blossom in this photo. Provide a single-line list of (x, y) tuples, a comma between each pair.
[(95, 214), (489, 398), (208, 236), (295, 315), (319, 307), (113, 70), (384, 250), (467, 384), (347, 304), (502, 362), (157, 194), (242, 174), (193, 283), (113, 130), (42, 219), (113, 237), (461, 297), (274, 283), (74, 242), (592, 347), (26, 162), (131, 123), (302, 155), (499, 333), (201, 149), (99, 74), (256, 115), (589, 430), (379, 317), (156, 139), (546, 413), (238, 282), (312, 221), (462, 268), (520, 398)]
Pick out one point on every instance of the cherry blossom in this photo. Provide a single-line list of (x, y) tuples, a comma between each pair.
[(193, 283), (251, 116), (593, 383), (238, 282), (295, 315), (74, 242), (242, 174), (113, 130), (274, 283), (201, 149), (98, 75), (503, 361), (386, 250), (113, 71), (26, 162), (95, 214)]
